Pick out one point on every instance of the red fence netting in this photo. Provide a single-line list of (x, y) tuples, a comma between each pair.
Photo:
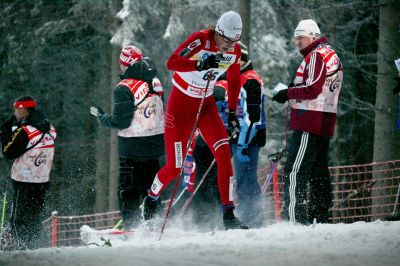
[(359, 193)]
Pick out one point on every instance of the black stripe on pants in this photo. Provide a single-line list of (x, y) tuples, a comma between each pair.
[(307, 180)]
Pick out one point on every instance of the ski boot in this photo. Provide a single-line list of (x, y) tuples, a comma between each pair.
[(149, 207), (231, 222)]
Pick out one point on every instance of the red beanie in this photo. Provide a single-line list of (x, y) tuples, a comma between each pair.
[(129, 55)]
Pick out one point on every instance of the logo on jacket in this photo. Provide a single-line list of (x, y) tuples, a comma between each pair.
[(204, 56), (148, 110), (40, 159), (334, 85)]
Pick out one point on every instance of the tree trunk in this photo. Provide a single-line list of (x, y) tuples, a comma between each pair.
[(244, 9), (106, 144), (102, 142), (113, 156), (387, 138)]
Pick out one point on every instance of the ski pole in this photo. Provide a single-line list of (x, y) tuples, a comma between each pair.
[(118, 224), (361, 188), (397, 200), (189, 143), (180, 196), (189, 200), (274, 158), (3, 210), (268, 179), (177, 199)]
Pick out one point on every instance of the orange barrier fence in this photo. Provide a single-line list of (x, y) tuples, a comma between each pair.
[(65, 230), (359, 193), (364, 192)]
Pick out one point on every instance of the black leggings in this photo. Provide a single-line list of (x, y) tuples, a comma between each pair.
[(135, 179)]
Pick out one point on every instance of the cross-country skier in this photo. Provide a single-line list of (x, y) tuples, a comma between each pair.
[(245, 150), (198, 62)]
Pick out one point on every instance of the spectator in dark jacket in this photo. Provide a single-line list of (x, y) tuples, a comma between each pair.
[(28, 138), (139, 116)]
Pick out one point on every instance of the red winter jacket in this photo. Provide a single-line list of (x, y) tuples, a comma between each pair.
[(315, 122), (204, 40)]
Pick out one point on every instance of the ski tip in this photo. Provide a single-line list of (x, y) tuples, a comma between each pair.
[(121, 232)]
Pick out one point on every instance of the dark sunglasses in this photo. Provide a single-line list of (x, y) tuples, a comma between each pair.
[(226, 39)]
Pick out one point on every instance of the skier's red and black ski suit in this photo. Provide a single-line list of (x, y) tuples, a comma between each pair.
[(189, 86)]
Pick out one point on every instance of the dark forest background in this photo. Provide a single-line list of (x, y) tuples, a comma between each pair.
[(64, 54)]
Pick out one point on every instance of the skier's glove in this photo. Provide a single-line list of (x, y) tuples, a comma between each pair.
[(233, 123), (281, 96), (397, 88), (212, 61)]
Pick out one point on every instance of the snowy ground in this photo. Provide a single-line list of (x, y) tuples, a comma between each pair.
[(376, 243)]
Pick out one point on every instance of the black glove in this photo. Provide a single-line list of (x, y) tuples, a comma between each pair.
[(281, 96), (233, 123), (212, 61), (397, 88)]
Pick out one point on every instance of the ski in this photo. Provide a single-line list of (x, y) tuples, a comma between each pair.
[(105, 237)]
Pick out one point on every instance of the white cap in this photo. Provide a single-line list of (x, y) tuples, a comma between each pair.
[(229, 25), (308, 28)]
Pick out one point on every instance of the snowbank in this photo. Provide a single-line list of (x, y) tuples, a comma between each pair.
[(376, 243)]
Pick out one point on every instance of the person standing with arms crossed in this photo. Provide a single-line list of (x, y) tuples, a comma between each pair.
[(314, 95), (198, 62)]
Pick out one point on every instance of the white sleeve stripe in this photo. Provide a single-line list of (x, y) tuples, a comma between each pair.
[(311, 69), (311, 81)]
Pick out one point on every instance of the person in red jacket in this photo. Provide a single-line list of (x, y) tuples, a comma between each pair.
[(314, 95), (198, 62)]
